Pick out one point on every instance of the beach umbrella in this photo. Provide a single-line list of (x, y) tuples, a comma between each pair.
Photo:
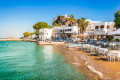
[(117, 32)]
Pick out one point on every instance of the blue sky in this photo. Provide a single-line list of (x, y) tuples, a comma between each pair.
[(16, 16)]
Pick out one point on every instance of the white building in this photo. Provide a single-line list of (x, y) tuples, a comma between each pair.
[(94, 28), (68, 31), (116, 34), (66, 16), (45, 34), (100, 28)]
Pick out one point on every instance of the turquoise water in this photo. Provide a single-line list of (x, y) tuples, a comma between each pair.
[(28, 61), (73, 45)]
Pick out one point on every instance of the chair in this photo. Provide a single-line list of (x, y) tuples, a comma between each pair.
[(110, 56), (97, 51), (84, 47), (118, 47), (81, 47), (92, 49), (88, 49), (118, 58)]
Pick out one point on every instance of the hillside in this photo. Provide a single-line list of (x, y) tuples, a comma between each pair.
[(64, 21)]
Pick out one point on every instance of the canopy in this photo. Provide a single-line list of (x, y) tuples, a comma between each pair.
[(80, 35), (117, 32), (83, 35), (74, 36)]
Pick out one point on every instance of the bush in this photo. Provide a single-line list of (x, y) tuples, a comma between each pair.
[(109, 38)]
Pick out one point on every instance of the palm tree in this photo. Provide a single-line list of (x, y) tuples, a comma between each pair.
[(82, 25)]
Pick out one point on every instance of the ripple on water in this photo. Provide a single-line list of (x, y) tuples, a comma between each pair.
[(26, 60)]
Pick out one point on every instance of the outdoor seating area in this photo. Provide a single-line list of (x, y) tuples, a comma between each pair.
[(111, 51)]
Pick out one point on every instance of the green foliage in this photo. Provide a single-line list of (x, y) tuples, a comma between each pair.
[(37, 32), (117, 19), (26, 34), (109, 38), (49, 27), (82, 24), (55, 24), (59, 22), (40, 25), (59, 16), (31, 33), (70, 19), (72, 16)]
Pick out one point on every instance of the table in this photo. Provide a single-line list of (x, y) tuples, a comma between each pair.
[(116, 53), (103, 50)]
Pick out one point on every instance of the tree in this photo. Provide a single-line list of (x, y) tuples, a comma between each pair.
[(82, 24), (117, 19), (37, 32), (26, 34), (40, 25), (59, 16), (72, 16), (31, 34)]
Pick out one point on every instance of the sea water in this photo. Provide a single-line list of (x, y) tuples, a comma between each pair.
[(21, 60)]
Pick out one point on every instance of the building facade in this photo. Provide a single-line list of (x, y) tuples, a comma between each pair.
[(66, 31), (94, 28), (100, 28), (45, 34)]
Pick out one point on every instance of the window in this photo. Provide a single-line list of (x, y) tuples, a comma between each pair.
[(65, 29), (114, 26), (96, 27), (102, 26), (61, 30), (108, 27), (70, 30)]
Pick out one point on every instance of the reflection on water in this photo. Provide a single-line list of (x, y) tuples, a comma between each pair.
[(26, 60), (48, 53)]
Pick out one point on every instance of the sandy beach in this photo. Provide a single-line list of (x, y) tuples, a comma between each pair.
[(101, 68), (11, 39)]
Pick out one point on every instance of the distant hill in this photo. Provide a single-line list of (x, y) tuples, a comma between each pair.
[(10, 37)]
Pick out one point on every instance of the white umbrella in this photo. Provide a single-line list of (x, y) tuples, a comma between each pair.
[(117, 32)]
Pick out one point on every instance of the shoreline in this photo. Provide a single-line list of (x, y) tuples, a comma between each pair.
[(18, 40), (94, 68), (51, 43), (76, 61), (11, 39)]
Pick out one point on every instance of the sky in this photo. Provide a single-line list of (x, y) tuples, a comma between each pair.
[(18, 16)]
